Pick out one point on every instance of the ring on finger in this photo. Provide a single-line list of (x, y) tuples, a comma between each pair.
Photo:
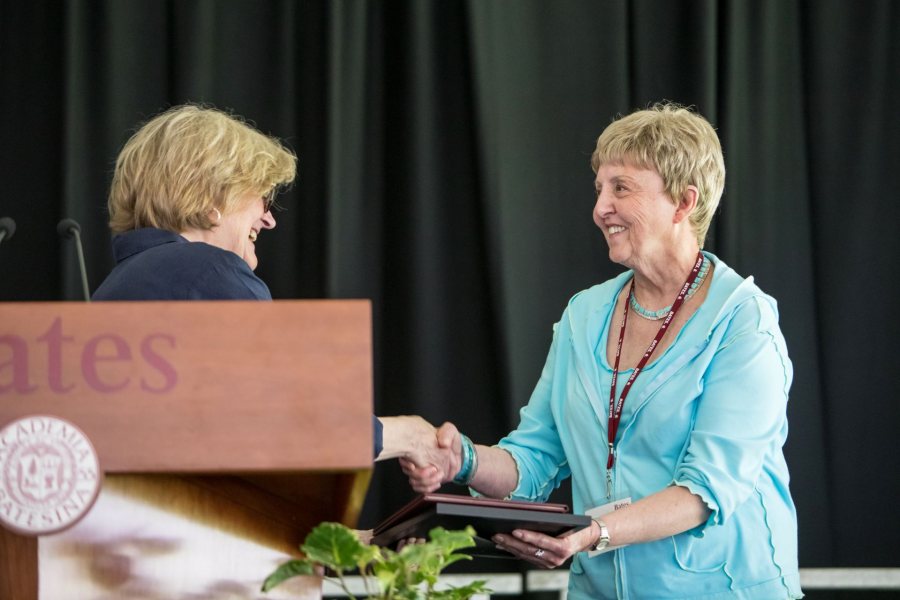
[(539, 552)]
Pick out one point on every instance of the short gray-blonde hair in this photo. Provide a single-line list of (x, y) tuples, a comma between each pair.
[(189, 160), (680, 145)]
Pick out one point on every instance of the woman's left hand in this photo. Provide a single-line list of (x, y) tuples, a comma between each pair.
[(543, 550)]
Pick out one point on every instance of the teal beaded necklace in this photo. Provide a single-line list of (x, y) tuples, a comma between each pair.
[(656, 315)]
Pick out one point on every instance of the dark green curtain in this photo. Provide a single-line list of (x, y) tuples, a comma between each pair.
[(444, 173)]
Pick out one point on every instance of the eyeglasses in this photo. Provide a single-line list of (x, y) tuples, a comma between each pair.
[(269, 199)]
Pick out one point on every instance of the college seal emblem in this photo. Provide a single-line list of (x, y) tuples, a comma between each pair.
[(49, 475)]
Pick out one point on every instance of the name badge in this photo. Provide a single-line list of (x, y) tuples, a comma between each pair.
[(605, 509)]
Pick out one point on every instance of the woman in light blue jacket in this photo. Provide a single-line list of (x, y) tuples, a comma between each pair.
[(663, 396)]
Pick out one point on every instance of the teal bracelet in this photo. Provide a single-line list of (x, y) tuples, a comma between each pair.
[(469, 462)]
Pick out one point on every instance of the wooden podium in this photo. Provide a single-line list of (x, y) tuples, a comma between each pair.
[(225, 430)]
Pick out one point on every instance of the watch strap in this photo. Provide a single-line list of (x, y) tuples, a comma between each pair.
[(603, 540)]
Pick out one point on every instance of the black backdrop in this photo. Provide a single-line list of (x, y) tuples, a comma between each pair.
[(444, 173)]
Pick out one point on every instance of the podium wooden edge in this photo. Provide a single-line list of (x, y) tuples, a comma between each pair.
[(18, 566)]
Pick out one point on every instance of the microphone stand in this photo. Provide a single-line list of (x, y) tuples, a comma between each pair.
[(81, 267), (70, 228)]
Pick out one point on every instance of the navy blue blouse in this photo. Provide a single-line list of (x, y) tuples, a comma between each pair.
[(153, 264)]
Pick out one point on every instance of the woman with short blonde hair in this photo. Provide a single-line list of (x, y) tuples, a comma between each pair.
[(663, 396), (188, 161), (678, 144), (192, 190)]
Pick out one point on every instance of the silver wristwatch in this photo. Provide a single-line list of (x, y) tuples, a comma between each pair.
[(602, 541)]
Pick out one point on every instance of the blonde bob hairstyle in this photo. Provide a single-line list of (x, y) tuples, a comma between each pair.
[(188, 162), (677, 143)]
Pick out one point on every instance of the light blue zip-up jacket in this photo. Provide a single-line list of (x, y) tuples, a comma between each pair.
[(708, 414)]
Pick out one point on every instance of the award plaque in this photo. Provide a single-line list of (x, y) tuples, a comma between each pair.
[(487, 516)]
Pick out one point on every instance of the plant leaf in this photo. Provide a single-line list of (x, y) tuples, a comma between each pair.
[(368, 555), (388, 575), (455, 558), (460, 593), (453, 540), (291, 568), (333, 545)]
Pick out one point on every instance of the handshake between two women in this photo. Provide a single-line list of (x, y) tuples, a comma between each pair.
[(429, 456)]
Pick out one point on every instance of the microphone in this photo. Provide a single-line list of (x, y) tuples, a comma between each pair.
[(68, 228), (7, 228)]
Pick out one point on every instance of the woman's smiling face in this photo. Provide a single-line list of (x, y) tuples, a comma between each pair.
[(237, 231), (633, 211)]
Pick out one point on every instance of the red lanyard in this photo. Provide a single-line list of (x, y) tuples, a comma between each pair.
[(615, 408)]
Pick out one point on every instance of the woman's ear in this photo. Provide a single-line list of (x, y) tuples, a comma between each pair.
[(687, 204)]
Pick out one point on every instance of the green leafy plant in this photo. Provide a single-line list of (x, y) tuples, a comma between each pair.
[(410, 574)]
